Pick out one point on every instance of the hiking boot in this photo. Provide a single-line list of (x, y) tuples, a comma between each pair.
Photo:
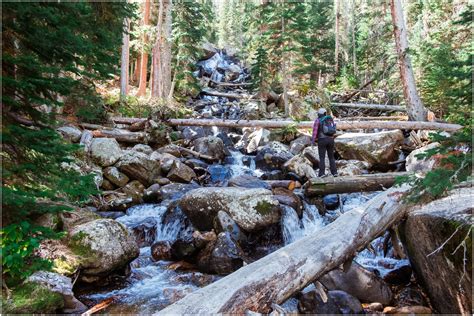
[(335, 175), (323, 176)]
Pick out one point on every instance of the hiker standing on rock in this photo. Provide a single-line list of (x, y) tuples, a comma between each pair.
[(324, 130)]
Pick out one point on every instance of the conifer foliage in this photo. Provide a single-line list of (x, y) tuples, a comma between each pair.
[(50, 51), (191, 27)]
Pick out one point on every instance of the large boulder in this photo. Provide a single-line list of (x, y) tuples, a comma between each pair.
[(233, 72), (251, 209), (105, 151), (288, 197), (332, 302), (359, 282), (104, 245), (300, 143), (254, 139), (248, 181), (219, 173), (180, 172), (415, 164), (32, 298), (374, 148), (272, 156), (208, 49), (134, 190), (211, 146), (301, 166), (224, 223), (351, 167), (71, 133), (193, 132), (143, 148), (139, 166), (115, 176), (438, 239), (222, 256), (174, 191), (62, 285)]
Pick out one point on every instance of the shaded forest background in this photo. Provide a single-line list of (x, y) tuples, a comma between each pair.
[(65, 61)]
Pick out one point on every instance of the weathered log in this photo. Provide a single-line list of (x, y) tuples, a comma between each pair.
[(230, 84), (381, 107), (226, 94), (90, 126), (342, 125), (127, 120), (121, 135), (347, 184), (276, 277), (287, 184), (195, 153), (377, 118), (98, 307)]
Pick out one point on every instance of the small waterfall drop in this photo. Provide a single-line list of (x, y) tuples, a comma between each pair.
[(294, 228)]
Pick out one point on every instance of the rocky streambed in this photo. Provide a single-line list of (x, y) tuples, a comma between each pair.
[(171, 221)]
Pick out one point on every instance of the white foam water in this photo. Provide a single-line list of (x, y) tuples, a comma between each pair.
[(238, 167), (294, 228)]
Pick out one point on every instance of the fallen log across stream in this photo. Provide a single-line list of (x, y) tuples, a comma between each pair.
[(347, 184), (121, 135), (276, 277), (342, 125), (381, 107)]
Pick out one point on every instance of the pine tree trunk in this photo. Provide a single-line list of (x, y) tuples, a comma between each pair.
[(136, 72), (124, 66), (166, 60), (144, 55), (284, 73), (415, 108), (156, 57), (353, 26), (336, 36)]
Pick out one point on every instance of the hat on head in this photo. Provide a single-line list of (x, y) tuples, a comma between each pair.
[(322, 111)]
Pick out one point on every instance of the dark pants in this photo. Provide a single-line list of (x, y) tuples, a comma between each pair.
[(326, 145)]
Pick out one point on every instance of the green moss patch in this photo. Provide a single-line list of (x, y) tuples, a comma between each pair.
[(31, 298), (264, 207)]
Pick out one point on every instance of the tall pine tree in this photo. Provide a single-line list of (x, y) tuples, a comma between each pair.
[(50, 51)]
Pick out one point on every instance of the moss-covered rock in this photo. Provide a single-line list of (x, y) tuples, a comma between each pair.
[(104, 245), (30, 298)]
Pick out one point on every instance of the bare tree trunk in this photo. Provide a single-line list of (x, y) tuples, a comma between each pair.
[(166, 61), (284, 73), (336, 35), (135, 77), (415, 108), (276, 277), (124, 71), (353, 26), (144, 55), (156, 58)]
